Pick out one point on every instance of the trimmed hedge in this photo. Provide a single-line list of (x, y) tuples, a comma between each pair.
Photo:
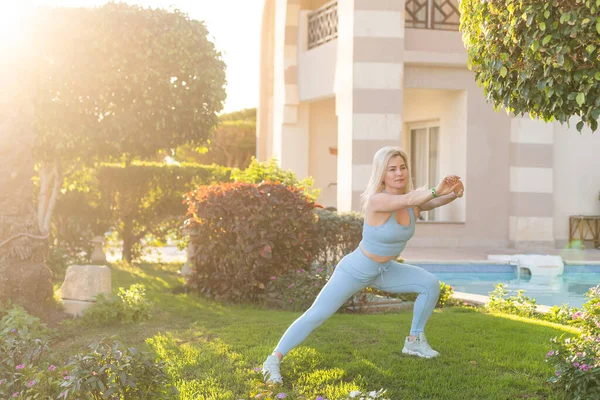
[(335, 235), (136, 200)]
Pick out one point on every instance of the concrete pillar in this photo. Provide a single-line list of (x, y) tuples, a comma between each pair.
[(531, 220), (369, 90)]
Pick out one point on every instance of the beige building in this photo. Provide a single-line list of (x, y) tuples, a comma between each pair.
[(340, 79)]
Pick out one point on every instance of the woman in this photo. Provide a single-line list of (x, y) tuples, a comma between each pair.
[(391, 209)]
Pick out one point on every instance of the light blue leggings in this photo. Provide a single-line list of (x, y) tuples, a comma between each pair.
[(355, 272)]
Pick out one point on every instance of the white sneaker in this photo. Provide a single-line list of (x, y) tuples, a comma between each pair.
[(270, 370), (419, 347)]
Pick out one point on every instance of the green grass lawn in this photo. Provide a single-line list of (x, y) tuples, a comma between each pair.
[(212, 349)]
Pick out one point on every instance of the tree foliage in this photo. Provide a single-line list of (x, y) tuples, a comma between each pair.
[(123, 80), (537, 57), (137, 200), (118, 82), (232, 144)]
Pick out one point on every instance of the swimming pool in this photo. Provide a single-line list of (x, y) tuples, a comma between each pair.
[(568, 288)]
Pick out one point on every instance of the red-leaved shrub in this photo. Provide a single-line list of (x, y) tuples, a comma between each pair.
[(244, 234)]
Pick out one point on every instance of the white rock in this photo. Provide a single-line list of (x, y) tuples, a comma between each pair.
[(85, 282)]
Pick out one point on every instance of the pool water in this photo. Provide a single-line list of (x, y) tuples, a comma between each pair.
[(569, 288)]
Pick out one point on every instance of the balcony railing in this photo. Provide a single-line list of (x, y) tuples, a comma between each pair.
[(432, 14), (425, 14), (323, 24)]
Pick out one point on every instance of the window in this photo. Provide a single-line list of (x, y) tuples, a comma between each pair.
[(424, 155)]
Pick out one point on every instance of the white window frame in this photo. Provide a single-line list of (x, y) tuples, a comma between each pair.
[(425, 215)]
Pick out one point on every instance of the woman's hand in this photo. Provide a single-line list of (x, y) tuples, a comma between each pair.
[(459, 189), (447, 185)]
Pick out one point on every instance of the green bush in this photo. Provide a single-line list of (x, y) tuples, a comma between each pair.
[(147, 198), (576, 360), (335, 235), (258, 172), (24, 346), (109, 370), (560, 314), (518, 305), (297, 289), (446, 292), (130, 306), (28, 369), (141, 200), (246, 233)]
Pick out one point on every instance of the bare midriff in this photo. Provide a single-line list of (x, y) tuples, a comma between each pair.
[(376, 258)]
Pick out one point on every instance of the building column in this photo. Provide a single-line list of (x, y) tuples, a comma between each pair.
[(369, 90), (290, 119), (264, 117), (531, 220)]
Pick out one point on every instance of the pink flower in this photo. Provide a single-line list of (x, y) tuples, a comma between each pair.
[(576, 364), (557, 373), (63, 394), (291, 285), (65, 372), (550, 353), (291, 301), (51, 368), (15, 394), (319, 270), (273, 278), (20, 366), (67, 377), (299, 271), (30, 384), (577, 315), (281, 396), (316, 284), (0, 381)]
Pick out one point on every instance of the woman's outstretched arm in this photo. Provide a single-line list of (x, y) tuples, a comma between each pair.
[(443, 200), (385, 202), (438, 202)]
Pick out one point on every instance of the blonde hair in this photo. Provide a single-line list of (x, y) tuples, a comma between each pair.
[(380, 163)]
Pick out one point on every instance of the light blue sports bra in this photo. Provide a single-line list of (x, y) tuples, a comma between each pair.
[(388, 239)]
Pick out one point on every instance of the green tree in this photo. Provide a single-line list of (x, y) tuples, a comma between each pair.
[(537, 57), (119, 82), (232, 144)]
